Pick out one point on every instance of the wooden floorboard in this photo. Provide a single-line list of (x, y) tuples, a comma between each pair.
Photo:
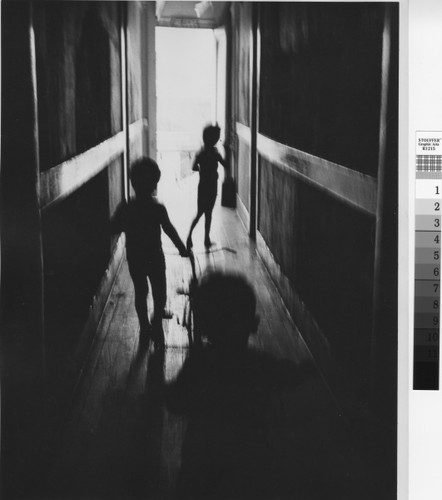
[(120, 441)]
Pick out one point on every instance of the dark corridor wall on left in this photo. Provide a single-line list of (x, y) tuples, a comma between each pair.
[(62, 99), (22, 374), (79, 104)]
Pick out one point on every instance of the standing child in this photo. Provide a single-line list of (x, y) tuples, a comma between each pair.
[(142, 219), (206, 162)]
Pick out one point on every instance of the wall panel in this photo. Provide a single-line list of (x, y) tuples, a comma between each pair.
[(321, 79), (78, 77), (243, 34), (326, 250), (243, 181), (134, 62), (318, 139), (242, 14)]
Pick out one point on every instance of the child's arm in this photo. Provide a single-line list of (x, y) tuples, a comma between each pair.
[(195, 166), (222, 161), (170, 230), (225, 164)]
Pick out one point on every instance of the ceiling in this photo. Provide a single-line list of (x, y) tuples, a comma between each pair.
[(184, 14)]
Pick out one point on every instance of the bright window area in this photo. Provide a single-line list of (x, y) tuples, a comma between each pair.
[(186, 93)]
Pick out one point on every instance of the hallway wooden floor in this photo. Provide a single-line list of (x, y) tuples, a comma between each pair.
[(120, 441)]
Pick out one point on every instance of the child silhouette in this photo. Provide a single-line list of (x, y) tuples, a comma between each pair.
[(142, 220), (224, 389), (206, 162)]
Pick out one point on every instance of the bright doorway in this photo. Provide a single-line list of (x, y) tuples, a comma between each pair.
[(186, 94)]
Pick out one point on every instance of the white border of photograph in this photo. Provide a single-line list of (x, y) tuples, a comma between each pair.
[(425, 113)]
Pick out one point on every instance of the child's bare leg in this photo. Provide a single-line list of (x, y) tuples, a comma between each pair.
[(159, 295), (141, 290), (192, 227), (208, 223)]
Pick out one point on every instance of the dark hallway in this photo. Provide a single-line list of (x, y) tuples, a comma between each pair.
[(119, 420), (307, 98)]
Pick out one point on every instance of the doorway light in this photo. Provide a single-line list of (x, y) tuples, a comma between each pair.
[(202, 7)]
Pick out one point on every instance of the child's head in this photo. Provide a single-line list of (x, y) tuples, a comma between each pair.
[(211, 135), (225, 310), (144, 176)]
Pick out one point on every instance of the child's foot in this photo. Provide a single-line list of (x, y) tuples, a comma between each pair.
[(167, 314), (208, 243)]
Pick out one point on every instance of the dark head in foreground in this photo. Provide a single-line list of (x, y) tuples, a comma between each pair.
[(144, 176), (231, 396), (225, 310)]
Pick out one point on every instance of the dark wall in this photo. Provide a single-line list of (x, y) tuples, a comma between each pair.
[(241, 92), (386, 320), (21, 335), (78, 77), (321, 79), (134, 64), (20, 218), (320, 91), (76, 250), (92, 74), (326, 250), (244, 26), (61, 96), (135, 73), (78, 65)]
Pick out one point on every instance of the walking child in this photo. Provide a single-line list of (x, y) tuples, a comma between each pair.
[(142, 220), (206, 162)]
